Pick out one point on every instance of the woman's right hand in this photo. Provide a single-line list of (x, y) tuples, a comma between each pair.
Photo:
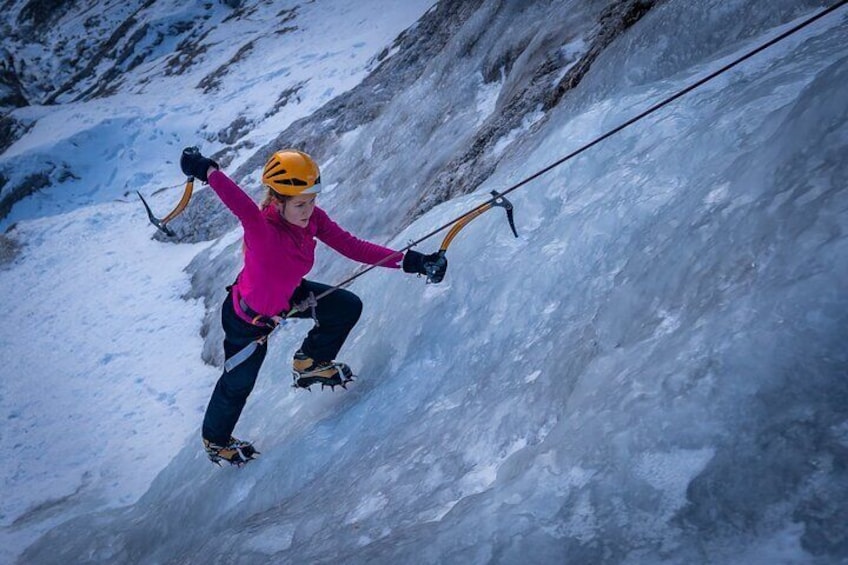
[(196, 165)]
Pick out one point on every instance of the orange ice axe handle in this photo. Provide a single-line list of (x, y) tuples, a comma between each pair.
[(497, 201)]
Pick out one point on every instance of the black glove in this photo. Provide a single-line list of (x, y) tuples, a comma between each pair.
[(196, 165), (433, 266)]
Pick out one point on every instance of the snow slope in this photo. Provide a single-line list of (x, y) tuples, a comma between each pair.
[(102, 377)]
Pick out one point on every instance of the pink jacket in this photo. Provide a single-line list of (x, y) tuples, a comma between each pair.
[(278, 254)]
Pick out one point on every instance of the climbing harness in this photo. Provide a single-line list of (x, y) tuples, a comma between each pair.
[(310, 303), (256, 318)]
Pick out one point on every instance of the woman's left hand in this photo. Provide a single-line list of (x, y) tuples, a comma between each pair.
[(433, 266)]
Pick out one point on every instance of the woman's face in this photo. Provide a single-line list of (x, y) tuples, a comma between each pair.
[(298, 209)]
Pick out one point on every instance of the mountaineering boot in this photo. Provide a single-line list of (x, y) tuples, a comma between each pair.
[(307, 372), (236, 452)]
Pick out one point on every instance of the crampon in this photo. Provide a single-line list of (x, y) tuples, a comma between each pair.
[(328, 374), (236, 452)]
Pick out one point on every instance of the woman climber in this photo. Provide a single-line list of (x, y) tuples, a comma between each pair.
[(279, 248)]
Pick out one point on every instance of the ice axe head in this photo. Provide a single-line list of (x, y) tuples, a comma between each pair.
[(162, 224), (502, 202), (498, 200)]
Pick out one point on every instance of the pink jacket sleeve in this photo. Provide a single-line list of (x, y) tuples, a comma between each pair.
[(351, 246), (236, 200)]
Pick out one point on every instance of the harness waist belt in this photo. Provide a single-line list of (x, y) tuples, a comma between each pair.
[(256, 318)]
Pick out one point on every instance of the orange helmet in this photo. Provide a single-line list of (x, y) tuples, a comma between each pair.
[(290, 173)]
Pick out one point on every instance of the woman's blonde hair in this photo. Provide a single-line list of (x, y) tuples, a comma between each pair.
[(270, 197)]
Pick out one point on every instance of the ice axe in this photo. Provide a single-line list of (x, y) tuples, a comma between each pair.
[(162, 225), (497, 201)]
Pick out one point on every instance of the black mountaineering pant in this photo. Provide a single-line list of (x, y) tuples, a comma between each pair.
[(337, 313)]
